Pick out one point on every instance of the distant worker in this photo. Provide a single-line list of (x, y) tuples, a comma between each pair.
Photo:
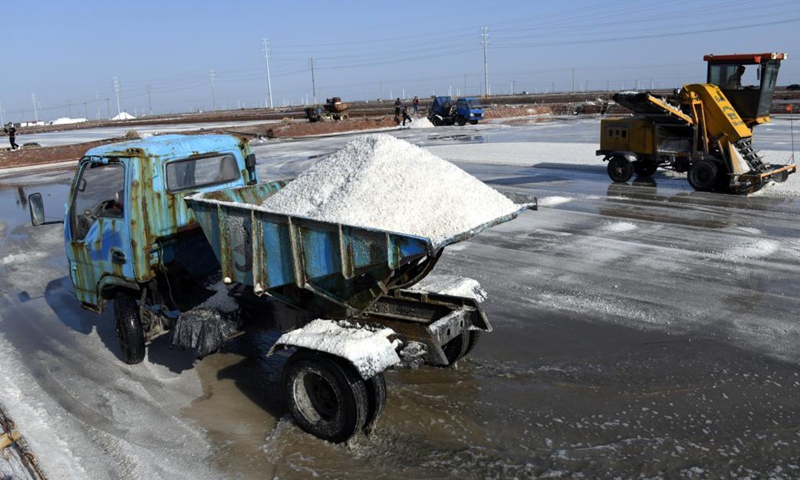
[(735, 80), (397, 104), (415, 102), (406, 116), (12, 135)]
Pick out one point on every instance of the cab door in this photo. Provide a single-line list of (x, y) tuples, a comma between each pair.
[(96, 231)]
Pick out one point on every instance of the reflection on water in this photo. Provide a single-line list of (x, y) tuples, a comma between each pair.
[(460, 137), (14, 202)]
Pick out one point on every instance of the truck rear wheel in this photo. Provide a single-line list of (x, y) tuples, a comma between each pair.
[(325, 395), (455, 349), (620, 169), (461, 121), (128, 324), (436, 121), (376, 396), (704, 175)]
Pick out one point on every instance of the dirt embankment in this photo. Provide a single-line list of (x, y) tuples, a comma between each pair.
[(289, 128)]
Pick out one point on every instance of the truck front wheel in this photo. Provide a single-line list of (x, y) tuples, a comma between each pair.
[(461, 121), (128, 324), (325, 395)]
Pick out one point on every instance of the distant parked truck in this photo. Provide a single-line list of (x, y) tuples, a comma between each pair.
[(444, 112)]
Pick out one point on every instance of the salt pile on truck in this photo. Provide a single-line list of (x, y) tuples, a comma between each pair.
[(150, 222)]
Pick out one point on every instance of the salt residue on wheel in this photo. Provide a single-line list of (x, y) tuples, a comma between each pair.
[(382, 182)]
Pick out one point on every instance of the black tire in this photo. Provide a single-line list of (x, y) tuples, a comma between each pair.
[(325, 396), (474, 337), (461, 121), (128, 324), (644, 169), (436, 121), (473, 122), (704, 175), (780, 177), (620, 169), (376, 396), (453, 348)]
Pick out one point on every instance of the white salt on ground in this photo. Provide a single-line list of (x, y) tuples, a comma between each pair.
[(382, 182)]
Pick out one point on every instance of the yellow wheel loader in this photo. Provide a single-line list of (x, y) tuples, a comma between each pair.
[(704, 129)]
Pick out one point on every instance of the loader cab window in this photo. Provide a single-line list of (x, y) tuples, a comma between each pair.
[(200, 172), (99, 193), (732, 76)]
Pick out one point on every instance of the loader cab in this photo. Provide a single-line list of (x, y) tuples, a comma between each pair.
[(748, 81)]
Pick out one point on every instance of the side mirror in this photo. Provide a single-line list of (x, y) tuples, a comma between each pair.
[(758, 74), (36, 206), (250, 164)]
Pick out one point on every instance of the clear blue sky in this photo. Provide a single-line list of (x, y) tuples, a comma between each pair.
[(64, 51)]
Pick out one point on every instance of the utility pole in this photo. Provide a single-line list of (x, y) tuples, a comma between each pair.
[(485, 40), (313, 82), (512, 87), (265, 43), (108, 107), (35, 112), (85, 111), (573, 80), (149, 101), (97, 102), (212, 76), (116, 91)]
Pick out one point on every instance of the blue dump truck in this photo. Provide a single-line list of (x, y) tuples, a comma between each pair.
[(152, 224), (443, 111)]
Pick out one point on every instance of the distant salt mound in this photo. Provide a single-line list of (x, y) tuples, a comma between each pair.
[(379, 181), (421, 122)]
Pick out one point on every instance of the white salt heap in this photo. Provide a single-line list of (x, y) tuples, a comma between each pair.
[(379, 181)]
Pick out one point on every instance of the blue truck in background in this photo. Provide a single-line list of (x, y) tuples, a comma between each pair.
[(151, 224), (443, 111)]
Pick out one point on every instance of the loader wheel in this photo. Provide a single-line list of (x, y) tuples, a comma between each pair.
[(325, 395), (461, 121), (437, 122), (129, 328), (644, 169), (620, 169), (704, 175), (780, 177)]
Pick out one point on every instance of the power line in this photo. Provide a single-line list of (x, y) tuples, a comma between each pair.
[(485, 40), (116, 91), (269, 80), (213, 90)]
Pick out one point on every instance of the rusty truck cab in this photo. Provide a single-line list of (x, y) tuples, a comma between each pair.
[(126, 223)]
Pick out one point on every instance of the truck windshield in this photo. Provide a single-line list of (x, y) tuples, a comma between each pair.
[(98, 193), (474, 103), (200, 172)]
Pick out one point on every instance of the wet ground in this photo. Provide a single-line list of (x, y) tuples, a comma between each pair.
[(641, 330)]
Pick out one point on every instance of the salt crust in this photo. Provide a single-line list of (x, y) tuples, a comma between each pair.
[(368, 349)]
